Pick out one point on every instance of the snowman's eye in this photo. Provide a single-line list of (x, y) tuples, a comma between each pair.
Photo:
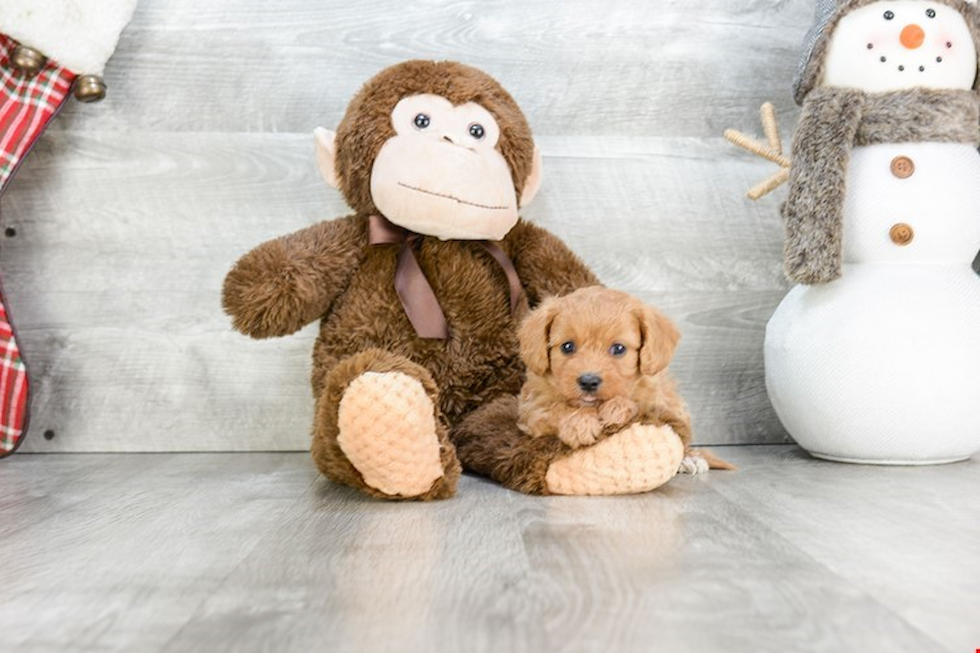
[(889, 15), (931, 13)]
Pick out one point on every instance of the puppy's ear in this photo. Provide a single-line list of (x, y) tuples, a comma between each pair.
[(658, 338), (533, 335)]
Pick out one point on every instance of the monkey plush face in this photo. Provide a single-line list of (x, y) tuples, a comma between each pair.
[(441, 173), (436, 147)]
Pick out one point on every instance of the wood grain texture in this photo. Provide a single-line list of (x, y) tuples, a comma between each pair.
[(576, 67), (250, 552), (129, 213), (118, 299), (125, 553), (905, 536)]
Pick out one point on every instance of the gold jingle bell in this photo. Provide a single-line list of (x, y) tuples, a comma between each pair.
[(28, 60), (89, 88)]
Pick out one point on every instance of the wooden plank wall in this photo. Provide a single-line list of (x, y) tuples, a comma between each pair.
[(129, 213)]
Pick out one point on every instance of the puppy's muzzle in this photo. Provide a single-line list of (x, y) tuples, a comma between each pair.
[(589, 382)]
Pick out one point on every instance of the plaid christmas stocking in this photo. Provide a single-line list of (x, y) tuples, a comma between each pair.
[(33, 88), (27, 105)]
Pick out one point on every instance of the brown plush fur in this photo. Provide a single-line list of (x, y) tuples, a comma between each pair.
[(635, 386), (831, 123), (329, 272), (479, 360), (490, 444), (919, 115), (329, 455), (813, 212)]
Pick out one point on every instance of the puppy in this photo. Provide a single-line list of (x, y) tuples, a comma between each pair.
[(597, 361)]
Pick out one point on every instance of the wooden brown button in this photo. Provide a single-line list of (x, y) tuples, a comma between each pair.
[(901, 234), (902, 167)]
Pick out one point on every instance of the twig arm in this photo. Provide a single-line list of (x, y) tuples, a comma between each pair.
[(771, 150)]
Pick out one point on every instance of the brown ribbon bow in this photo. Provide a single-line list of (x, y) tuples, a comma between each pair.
[(414, 290)]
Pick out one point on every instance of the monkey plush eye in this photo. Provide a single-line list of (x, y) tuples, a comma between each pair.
[(568, 348), (477, 131), (422, 121), (617, 349), (889, 15), (931, 13)]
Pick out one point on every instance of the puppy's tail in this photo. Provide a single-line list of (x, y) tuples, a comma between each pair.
[(714, 462)]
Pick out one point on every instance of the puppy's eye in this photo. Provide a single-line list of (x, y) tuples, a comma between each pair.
[(889, 15), (931, 13), (568, 348), (422, 121), (617, 349)]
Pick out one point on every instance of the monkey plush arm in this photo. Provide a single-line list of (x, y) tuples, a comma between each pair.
[(284, 284), (545, 264)]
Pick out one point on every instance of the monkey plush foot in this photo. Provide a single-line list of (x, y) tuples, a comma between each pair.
[(637, 459), (378, 429), (388, 432)]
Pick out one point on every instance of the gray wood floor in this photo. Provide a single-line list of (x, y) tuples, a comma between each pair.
[(252, 551)]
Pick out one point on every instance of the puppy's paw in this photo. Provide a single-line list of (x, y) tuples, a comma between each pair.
[(579, 429), (618, 411), (693, 464)]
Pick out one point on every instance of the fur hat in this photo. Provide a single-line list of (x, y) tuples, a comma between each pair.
[(828, 13)]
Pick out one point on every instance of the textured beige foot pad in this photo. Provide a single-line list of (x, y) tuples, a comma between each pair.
[(637, 459), (388, 432)]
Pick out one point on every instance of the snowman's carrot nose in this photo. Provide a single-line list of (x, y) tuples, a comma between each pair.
[(912, 36)]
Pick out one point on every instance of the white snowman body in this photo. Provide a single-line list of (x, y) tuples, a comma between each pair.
[(883, 364)]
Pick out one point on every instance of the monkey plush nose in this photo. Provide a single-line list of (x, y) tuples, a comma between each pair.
[(912, 36), (589, 382)]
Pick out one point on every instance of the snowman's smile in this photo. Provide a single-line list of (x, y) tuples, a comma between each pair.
[(904, 63)]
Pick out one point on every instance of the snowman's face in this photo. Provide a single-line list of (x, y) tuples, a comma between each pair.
[(900, 44)]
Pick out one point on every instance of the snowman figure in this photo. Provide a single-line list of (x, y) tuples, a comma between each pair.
[(875, 356)]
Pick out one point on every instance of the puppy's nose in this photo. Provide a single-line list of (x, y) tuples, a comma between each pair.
[(589, 382)]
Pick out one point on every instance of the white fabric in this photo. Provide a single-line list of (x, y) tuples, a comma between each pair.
[(80, 35), (940, 201), (880, 365), (851, 64)]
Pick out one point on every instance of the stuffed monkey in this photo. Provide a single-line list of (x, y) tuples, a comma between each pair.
[(419, 292)]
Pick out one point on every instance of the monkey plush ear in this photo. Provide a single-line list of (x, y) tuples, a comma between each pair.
[(533, 335), (326, 155), (659, 338), (533, 181)]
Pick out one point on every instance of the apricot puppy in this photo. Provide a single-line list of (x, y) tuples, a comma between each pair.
[(596, 361)]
